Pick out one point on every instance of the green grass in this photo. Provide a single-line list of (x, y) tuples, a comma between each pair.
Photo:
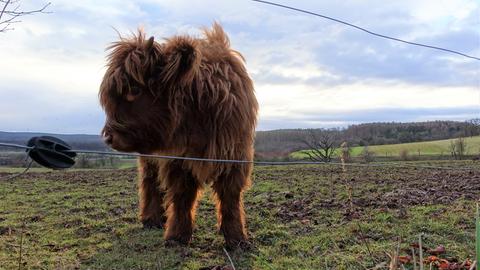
[(297, 219), (477, 235), (431, 148), (18, 169), (126, 163)]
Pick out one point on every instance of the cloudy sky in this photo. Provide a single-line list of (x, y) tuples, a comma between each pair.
[(308, 71)]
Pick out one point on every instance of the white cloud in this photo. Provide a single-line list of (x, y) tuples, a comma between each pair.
[(300, 100), (303, 66)]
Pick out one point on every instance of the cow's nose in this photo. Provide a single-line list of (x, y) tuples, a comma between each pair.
[(108, 138)]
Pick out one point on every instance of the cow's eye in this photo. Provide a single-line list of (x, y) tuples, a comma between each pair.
[(133, 93)]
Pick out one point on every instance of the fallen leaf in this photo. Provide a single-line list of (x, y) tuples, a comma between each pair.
[(417, 246), (305, 221), (430, 259), (404, 259), (437, 251), (443, 264), (467, 264)]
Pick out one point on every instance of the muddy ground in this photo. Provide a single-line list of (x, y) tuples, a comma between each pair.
[(299, 217)]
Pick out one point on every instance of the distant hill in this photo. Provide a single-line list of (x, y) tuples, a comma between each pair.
[(79, 141)]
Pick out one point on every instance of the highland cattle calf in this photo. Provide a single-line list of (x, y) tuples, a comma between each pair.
[(189, 97)]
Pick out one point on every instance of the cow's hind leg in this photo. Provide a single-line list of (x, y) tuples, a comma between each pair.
[(231, 218)]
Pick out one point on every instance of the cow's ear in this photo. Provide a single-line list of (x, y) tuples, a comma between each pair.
[(182, 60), (149, 44), (140, 56)]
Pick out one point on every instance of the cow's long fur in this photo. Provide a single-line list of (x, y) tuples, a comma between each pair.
[(187, 97)]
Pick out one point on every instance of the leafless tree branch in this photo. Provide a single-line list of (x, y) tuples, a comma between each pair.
[(10, 13), (321, 145)]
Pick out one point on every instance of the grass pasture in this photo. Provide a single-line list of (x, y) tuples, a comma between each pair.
[(298, 218), (428, 148)]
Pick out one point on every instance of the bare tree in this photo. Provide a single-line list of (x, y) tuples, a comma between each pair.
[(321, 144), (367, 155), (453, 149), (473, 128), (458, 148), (10, 13)]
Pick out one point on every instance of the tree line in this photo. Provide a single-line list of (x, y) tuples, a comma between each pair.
[(288, 140)]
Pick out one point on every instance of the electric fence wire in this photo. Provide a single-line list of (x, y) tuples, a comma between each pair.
[(268, 163), (366, 30), (11, 177), (29, 164)]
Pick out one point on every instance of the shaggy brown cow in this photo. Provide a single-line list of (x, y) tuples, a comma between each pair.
[(189, 97)]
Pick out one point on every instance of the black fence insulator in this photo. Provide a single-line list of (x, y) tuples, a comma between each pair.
[(51, 152)]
